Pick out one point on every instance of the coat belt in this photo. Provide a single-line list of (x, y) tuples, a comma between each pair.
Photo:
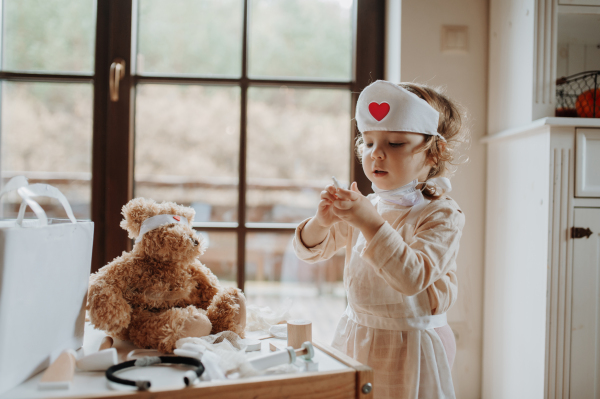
[(397, 324)]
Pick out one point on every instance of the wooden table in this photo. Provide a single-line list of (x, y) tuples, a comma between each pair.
[(339, 376)]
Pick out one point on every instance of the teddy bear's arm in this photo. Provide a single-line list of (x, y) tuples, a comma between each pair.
[(207, 285), (108, 309), (225, 307)]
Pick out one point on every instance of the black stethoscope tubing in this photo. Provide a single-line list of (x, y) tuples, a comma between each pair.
[(144, 384)]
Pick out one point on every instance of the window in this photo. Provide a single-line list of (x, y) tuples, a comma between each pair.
[(241, 109), (47, 99)]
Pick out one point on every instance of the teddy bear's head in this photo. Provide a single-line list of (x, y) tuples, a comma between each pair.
[(164, 242)]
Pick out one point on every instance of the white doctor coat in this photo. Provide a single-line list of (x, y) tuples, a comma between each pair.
[(399, 288)]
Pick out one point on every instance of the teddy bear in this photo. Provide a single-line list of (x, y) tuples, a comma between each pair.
[(160, 292)]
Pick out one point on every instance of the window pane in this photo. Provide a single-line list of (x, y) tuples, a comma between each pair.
[(187, 146), (190, 36), (297, 139), (49, 35), (47, 136), (220, 257), (274, 275), (301, 38)]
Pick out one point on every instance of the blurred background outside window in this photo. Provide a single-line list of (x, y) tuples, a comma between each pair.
[(187, 136)]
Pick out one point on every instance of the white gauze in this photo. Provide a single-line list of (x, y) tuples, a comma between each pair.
[(385, 106), (157, 221)]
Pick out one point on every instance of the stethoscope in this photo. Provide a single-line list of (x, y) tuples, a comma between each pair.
[(143, 385)]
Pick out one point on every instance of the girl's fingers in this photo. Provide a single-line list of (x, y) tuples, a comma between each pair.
[(325, 206), (347, 195), (324, 203), (331, 189), (326, 195), (340, 213), (341, 204)]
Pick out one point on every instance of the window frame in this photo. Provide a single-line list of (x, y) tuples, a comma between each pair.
[(113, 122)]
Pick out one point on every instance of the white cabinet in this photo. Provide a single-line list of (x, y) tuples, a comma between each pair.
[(532, 42), (522, 67), (585, 307), (542, 287)]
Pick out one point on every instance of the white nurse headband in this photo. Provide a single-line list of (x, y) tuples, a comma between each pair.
[(386, 106), (158, 221)]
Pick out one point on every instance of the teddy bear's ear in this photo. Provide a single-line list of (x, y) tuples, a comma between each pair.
[(171, 208), (135, 212)]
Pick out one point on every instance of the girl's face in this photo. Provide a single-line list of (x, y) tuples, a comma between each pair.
[(390, 159)]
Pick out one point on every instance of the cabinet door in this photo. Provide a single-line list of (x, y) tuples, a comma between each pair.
[(587, 176), (585, 313)]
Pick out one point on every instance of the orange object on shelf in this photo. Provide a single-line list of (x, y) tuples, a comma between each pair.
[(585, 104)]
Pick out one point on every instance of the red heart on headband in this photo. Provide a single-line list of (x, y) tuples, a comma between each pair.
[(177, 218), (379, 111)]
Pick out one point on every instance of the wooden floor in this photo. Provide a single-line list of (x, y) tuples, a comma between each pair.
[(323, 307)]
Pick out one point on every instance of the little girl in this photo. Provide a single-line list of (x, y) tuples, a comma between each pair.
[(401, 242)]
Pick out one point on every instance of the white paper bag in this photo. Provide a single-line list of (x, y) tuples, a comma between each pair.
[(44, 272)]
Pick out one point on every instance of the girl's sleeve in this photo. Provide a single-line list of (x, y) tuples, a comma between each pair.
[(430, 258), (336, 238)]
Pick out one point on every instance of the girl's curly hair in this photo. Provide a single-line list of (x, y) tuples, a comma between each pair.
[(443, 155)]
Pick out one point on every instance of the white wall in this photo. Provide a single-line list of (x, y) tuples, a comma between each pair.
[(512, 30), (393, 33), (465, 79)]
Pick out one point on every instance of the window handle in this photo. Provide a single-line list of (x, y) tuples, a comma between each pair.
[(117, 72)]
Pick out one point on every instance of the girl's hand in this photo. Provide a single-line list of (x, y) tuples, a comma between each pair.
[(354, 208), (325, 216)]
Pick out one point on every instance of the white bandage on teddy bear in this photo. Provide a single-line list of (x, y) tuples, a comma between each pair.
[(157, 221)]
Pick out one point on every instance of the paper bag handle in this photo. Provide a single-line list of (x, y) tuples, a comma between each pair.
[(41, 190), (14, 184)]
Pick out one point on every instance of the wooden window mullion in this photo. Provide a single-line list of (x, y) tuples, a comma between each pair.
[(241, 229), (368, 67), (119, 131), (99, 149)]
